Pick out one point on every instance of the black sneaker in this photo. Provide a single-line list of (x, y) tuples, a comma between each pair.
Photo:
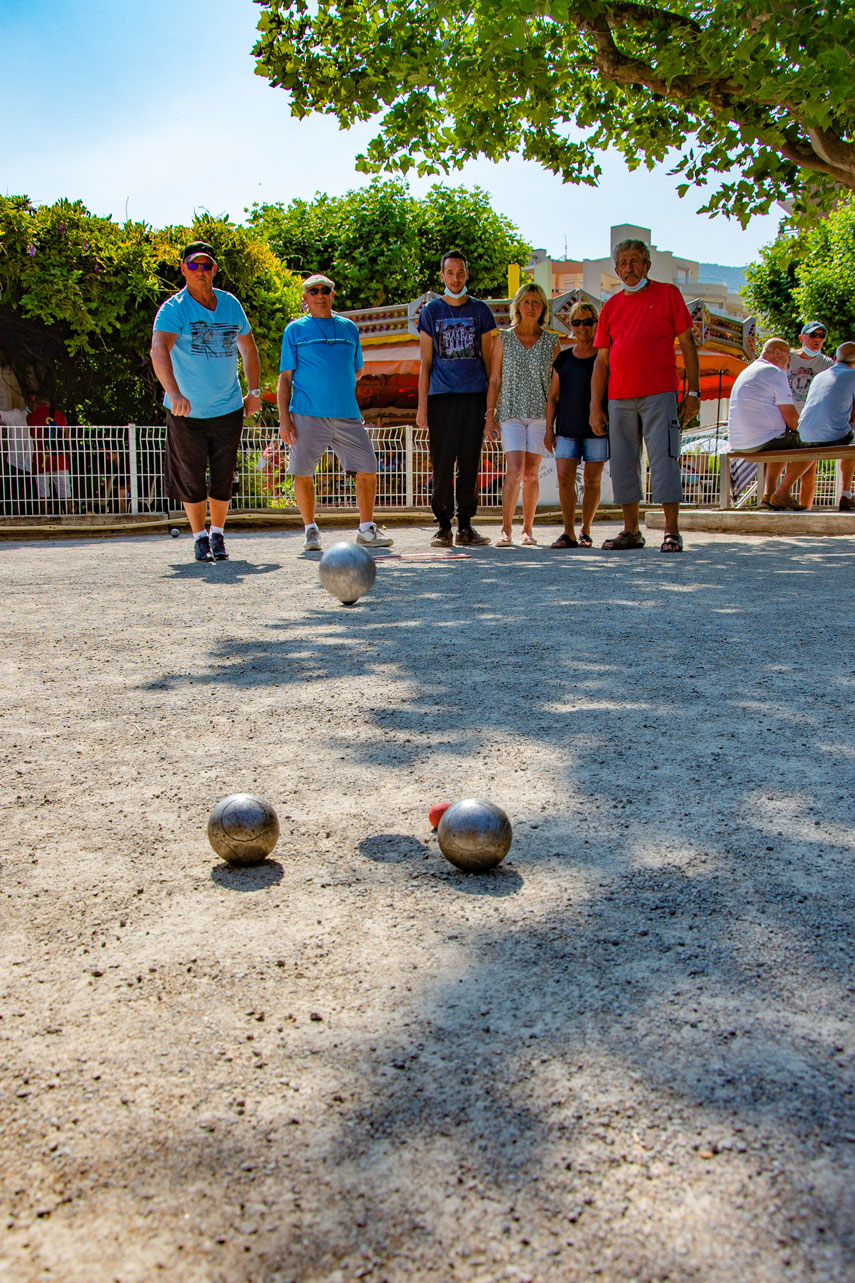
[(467, 537), (846, 504), (443, 538), (218, 548), (202, 548)]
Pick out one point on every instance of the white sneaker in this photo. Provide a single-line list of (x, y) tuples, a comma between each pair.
[(313, 540), (374, 537)]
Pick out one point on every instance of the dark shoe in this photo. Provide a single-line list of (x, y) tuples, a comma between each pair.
[(565, 541), (202, 548), (467, 537), (218, 548), (585, 541), (788, 505), (443, 538), (623, 541), (846, 505), (764, 503), (672, 543)]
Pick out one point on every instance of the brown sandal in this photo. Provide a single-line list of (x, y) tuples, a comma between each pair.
[(565, 541)]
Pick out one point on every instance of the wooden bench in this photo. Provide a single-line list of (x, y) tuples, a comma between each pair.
[(776, 456)]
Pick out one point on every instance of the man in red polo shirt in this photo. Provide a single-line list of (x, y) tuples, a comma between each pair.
[(635, 341)]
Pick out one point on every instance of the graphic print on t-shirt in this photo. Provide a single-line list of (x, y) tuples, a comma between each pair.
[(213, 338), (457, 338)]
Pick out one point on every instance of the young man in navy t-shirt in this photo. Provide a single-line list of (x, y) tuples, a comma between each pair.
[(456, 335)]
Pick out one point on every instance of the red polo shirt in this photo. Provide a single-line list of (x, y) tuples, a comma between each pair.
[(639, 330)]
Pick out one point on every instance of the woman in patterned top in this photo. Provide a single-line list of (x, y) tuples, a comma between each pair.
[(522, 365)]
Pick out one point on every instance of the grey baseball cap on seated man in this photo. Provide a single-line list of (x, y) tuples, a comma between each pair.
[(812, 327), (318, 279), (198, 249)]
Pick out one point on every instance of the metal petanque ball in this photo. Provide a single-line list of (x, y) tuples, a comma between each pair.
[(175, 532), (474, 835), (243, 828), (347, 571)]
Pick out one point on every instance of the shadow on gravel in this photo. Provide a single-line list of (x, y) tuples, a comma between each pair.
[(254, 877), (689, 722), (227, 572), (392, 848)]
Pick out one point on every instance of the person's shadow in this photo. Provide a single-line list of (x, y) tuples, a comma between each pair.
[(227, 572)]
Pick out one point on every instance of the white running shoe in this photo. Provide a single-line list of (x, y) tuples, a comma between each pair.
[(313, 540), (374, 537)]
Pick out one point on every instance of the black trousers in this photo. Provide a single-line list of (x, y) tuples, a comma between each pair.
[(456, 429)]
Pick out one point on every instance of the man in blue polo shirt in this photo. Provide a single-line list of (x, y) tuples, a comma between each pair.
[(198, 334), (318, 411)]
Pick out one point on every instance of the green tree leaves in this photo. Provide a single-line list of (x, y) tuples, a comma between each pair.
[(754, 86), (807, 276), (382, 245)]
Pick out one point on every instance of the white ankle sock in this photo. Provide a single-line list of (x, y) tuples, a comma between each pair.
[(200, 535), (365, 525), (216, 530), (313, 525), (846, 494)]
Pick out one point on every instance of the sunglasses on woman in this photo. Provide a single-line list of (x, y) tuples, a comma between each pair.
[(588, 321)]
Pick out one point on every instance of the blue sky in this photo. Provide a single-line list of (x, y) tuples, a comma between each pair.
[(153, 109)]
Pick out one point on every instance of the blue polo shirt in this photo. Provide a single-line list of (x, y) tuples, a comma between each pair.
[(205, 352), (826, 412), (324, 355)]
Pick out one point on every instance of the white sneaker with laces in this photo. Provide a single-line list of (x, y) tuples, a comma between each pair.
[(313, 540), (374, 537)]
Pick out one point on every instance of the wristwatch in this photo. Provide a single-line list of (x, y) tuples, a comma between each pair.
[(254, 392), (694, 394)]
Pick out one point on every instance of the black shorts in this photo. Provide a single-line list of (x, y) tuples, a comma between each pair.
[(194, 446)]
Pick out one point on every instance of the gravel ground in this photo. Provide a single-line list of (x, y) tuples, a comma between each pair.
[(627, 1054)]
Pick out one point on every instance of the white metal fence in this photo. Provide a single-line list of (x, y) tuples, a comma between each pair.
[(120, 470)]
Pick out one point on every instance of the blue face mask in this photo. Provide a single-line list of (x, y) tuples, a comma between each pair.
[(633, 289), (460, 294)]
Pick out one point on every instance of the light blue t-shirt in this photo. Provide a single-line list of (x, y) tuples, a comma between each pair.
[(324, 355), (205, 354), (826, 412)]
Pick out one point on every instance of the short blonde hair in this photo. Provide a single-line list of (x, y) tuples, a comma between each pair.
[(528, 288), (582, 308)]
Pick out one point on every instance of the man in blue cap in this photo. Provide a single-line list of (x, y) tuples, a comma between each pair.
[(198, 334)]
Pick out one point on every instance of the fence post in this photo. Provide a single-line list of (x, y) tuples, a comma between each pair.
[(408, 459), (132, 466)]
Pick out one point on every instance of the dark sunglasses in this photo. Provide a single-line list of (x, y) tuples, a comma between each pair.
[(576, 324), (319, 289), (207, 266), (816, 334)]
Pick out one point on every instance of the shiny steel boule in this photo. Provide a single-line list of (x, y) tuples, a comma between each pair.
[(347, 571), (243, 828), (474, 835)]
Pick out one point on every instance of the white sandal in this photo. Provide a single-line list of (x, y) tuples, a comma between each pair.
[(504, 541), (528, 541)]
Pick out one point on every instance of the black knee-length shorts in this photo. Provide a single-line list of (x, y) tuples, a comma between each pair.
[(194, 446)]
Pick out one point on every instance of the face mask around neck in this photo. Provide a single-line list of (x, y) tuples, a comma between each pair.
[(633, 289), (460, 294)]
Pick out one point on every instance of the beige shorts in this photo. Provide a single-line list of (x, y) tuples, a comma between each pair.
[(348, 438)]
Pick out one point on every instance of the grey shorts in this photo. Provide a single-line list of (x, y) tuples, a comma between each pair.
[(653, 421), (347, 437)]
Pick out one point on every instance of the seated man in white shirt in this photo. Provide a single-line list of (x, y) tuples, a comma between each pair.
[(827, 419), (762, 414)]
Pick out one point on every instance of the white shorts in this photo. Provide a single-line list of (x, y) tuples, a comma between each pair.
[(524, 434), (50, 483)]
